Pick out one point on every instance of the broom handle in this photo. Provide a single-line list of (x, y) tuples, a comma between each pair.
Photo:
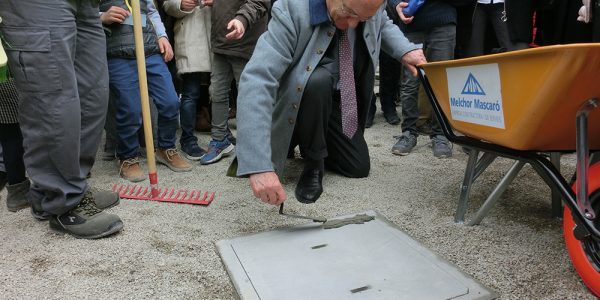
[(142, 78)]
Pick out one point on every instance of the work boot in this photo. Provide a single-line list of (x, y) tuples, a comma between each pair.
[(17, 196), (172, 159), (130, 170), (86, 221), (103, 199)]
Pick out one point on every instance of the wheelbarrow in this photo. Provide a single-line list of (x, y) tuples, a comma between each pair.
[(522, 105)]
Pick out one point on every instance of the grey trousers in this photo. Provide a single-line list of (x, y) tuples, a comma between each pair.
[(225, 68), (56, 51)]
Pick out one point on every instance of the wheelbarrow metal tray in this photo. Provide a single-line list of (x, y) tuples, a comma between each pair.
[(524, 100)]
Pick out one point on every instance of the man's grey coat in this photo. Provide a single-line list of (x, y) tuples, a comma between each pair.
[(273, 81)]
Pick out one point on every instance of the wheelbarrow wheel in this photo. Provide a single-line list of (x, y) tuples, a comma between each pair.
[(585, 254)]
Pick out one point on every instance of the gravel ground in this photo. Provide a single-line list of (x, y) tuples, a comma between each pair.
[(167, 250)]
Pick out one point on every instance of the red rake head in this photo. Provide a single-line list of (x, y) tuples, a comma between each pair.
[(163, 195)]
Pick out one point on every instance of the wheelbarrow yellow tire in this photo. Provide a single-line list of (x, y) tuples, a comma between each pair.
[(585, 255)]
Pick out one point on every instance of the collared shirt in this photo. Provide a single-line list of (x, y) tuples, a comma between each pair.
[(319, 14)]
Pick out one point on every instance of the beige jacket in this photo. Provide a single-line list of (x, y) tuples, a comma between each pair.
[(192, 37)]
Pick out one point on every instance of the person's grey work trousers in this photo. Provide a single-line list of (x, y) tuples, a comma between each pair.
[(57, 53)]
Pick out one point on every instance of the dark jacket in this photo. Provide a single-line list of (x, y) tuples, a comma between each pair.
[(252, 13), (119, 38), (432, 14)]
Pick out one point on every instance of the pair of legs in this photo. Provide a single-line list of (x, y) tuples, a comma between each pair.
[(55, 58), (124, 84), (226, 68), (494, 14)]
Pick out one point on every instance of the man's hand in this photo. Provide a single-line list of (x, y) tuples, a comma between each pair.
[(403, 18), (237, 30), (207, 2), (412, 59), (114, 14), (165, 48), (188, 5), (267, 187)]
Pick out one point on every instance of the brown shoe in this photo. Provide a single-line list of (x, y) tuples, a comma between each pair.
[(130, 170), (172, 159)]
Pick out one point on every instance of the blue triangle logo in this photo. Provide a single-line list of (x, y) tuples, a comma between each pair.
[(472, 87)]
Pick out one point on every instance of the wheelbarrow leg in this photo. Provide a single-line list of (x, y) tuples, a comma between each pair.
[(484, 162), (496, 193), (556, 198), (459, 216)]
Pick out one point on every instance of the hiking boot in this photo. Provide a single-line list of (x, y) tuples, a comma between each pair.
[(441, 146), (172, 159), (192, 151), (405, 143), (17, 196), (86, 221), (130, 170), (216, 151)]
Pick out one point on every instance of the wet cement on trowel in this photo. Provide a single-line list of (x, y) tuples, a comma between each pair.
[(358, 219)]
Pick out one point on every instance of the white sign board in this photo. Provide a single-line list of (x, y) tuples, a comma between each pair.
[(475, 95)]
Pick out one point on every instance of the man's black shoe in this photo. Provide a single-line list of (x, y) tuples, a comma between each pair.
[(310, 186)]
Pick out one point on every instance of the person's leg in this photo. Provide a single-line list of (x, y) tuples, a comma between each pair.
[(439, 45), (18, 184), (310, 132), (501, 29), (477, 38), (125, 87), (110, 129), (389, 76), (160, 87), (190, 95), (345, 156), (223, 72)]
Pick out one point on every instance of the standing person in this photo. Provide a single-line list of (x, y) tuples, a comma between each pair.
[(123, 81), (434, 26), (311, 77), (236, 26), (193, 58), (55, 55)]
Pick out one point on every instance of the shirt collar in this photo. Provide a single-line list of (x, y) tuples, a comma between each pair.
[(318, 12)]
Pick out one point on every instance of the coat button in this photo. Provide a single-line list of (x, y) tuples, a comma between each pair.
[(319, 51), (295, 105), (329, 33), (299, 89), (308, 68), (291, 121)]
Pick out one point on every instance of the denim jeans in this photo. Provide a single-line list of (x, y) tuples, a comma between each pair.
[(123, 81), (438, 44), (191, 90), (225, 69)]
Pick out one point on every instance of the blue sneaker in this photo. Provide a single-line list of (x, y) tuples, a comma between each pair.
[(216, 151), (192, 151)]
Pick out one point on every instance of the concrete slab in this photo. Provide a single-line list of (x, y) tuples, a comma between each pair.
[(374, 260)]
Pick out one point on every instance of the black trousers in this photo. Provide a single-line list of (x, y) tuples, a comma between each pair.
[(319, 133), (11, 140)]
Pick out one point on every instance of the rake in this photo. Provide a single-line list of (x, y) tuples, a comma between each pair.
[(153, 193), (164, 195)]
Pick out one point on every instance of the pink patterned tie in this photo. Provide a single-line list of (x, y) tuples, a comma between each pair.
[(347, 87)]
